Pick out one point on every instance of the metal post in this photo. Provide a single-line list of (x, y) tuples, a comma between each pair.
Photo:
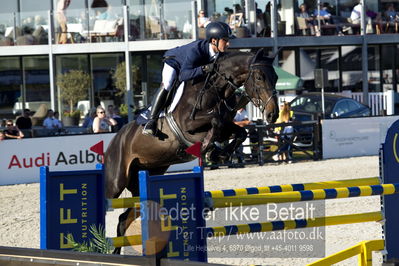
[(129, 91), (51, 58), (365, 65), (194, 8), (273, 21), (318, 16)]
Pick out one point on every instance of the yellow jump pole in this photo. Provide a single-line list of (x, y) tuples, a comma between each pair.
[(305, 195), (133, 202), (123, 241), (293, 187), (363, 250), (293, 224)]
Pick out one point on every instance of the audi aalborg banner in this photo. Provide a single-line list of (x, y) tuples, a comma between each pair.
[(21, 159)]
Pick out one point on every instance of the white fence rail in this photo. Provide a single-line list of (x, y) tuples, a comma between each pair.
[(379, 102)]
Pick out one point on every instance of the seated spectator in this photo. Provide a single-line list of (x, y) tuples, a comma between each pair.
[(202, 20), (88, 120), (50, 122), (303, 13), (2, 136), (57, 120), (390, 13), (11, 131), (102, 123), (24, 121), (324, 14), (356, 14)]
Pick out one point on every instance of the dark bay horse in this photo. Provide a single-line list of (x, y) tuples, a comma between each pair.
[(130, 151)]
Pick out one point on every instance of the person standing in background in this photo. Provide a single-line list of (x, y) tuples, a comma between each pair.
[(24, 121), (241, 119), (62, 5)]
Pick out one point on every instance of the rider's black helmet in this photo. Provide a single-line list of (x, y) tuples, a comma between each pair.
[(218, 30)]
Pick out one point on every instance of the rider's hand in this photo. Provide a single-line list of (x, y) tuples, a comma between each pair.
[(207, 68)]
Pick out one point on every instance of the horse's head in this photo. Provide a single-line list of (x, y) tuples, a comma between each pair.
[(260, 85), (256, 74)]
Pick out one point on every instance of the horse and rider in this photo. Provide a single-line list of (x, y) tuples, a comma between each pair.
[(188, 62), (203, 114)]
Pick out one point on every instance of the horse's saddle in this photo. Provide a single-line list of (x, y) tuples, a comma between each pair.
[(176, 93)]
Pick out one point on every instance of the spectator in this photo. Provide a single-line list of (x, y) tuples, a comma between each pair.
[(241, 119), (88, 120), (102, 9), (113, 112), (202, 20), (390, 13), (303, 13), (284, 135), (24, 121), (102, 123), (57, 120), (11, 131), (50, 122), (260, 23), (2, 136), (356, 14), (324, 14), (62, 5)]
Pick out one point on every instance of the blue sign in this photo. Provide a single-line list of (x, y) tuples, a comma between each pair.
[(70, 202), (390, 174), (172, 215)]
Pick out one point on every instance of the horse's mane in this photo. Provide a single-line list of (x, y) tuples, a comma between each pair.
[(237, 58)]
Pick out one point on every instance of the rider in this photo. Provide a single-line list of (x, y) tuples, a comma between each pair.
[(187, 62)]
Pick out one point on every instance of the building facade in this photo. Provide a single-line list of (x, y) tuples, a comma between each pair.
[(357, 41)]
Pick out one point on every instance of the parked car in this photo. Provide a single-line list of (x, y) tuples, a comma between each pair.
[(307, 106)]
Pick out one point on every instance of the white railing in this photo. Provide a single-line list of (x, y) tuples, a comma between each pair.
[(379, 102)]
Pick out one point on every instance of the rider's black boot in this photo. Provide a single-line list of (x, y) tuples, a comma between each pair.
[(158, 104)]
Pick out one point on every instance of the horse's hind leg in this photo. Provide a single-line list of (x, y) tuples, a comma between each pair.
[(125, 219)]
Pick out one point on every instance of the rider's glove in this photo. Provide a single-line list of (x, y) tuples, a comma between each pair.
[(208, 68)]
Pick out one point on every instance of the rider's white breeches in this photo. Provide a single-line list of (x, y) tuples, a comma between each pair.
[(168, 76)]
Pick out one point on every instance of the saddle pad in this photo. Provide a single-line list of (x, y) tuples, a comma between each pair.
[(144, 115)]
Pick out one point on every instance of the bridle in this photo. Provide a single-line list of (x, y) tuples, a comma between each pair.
[(255, 100)]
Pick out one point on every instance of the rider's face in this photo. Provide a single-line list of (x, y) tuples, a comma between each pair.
[(222, 45)]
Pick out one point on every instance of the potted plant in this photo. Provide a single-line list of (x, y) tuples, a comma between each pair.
[(73, 87)]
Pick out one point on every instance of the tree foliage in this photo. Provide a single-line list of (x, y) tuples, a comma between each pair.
[(74, 86), (119, 77)]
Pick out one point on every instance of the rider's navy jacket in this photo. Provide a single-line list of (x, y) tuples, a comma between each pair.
[(188, 59)]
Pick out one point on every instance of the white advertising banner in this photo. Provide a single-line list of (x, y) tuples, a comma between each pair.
[(354, 136), (21, 159)]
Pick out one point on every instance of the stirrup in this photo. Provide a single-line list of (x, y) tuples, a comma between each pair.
[(150, 128)]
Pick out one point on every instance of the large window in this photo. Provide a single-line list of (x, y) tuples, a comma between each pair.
[(64, 64), (102, 72), (10, 85)]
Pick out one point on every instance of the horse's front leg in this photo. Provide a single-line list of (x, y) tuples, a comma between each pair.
[(239, 135)]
